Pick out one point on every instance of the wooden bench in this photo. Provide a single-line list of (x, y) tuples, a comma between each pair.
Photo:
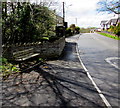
[(25, 56)]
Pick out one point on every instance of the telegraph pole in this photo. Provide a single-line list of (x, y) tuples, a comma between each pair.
[(63, 13), (63, 18), (76, 21)]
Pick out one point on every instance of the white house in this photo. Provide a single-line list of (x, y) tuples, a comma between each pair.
[(104, 24)]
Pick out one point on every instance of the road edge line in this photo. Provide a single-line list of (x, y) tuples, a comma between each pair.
[(94, 84)]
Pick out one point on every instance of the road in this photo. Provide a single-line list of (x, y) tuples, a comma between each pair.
[(100, 56)]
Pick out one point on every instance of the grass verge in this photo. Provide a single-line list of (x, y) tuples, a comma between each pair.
[(108, 35)]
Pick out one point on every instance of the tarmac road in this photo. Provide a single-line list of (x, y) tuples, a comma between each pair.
[(100, 56)]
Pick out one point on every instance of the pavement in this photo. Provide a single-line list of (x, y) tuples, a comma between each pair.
[(62, 82)]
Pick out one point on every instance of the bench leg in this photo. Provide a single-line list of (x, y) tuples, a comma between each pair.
[(20, 66)]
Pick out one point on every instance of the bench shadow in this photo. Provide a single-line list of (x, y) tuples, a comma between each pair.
[(46, 79)]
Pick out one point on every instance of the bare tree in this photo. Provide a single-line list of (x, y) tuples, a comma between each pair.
[(110, 6)]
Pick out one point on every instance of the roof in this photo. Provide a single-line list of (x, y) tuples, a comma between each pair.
[(114, 21), (104, 22), (111, 21)]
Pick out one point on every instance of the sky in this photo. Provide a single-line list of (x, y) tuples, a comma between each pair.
[(81, 12)]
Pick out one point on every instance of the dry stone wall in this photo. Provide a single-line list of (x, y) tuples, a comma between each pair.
[(46, 49)]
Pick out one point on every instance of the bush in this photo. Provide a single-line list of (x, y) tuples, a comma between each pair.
[(60, 31), (77, 30), (111, 29), (7, 68), (68, 32), (117, 30)]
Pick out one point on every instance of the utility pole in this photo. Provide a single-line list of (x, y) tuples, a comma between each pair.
[(76, 21), (63, 13), (63, 18)]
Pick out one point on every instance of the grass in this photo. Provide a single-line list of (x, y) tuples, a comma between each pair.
[(108, 35)]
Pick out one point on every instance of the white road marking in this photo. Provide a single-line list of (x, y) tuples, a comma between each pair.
[(93, 82), (108, 60)]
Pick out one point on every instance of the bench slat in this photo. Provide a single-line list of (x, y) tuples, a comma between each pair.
[(21, 56), (26, 50), (25, 58)]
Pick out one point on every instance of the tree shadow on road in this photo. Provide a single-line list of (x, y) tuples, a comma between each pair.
[(60, 88), (20, 88)]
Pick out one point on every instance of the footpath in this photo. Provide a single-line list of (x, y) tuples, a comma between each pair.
[(62, 83)]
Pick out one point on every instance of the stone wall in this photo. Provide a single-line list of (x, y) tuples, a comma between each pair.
[(46, 49)]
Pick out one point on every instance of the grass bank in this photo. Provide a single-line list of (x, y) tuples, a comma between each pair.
[(109, 35)]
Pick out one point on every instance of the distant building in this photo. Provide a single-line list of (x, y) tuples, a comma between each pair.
[(104, 24), (98, 29), (95, 30), (59, 20), (112, 22)]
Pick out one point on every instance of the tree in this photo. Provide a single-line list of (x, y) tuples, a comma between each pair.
[(72, 26), (72, 30), (25, 22), (77, 30), (110, 6), (68, 32)]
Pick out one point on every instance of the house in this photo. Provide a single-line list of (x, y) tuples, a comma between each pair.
[(112, 22), (104, 24), (59, 20)]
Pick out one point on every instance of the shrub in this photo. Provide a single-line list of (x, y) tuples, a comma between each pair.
[(111, 29), (68, 32), (77, 30), (117, 30), (7, 68)]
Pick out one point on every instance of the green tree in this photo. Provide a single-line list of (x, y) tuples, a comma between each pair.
[(77, 30), (72, 27), (68, 32), (25, 22)]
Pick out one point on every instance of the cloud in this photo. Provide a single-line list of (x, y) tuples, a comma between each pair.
[(83, 13)]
